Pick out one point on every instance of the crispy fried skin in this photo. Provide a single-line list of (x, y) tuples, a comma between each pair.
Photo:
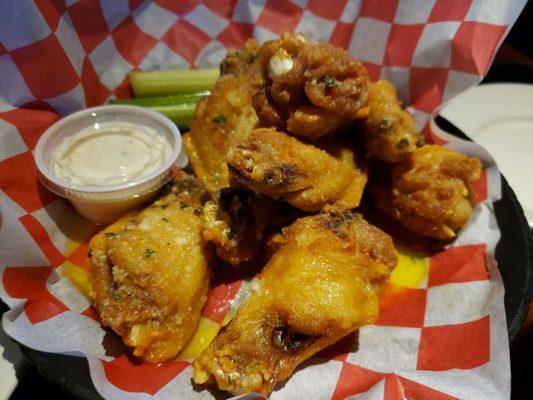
[(235, 221), (223, 118), (277, 165), (150, 273), (431, 192), (237, 62), (321, 283), (389, 132), (311, 89), (312, 122)]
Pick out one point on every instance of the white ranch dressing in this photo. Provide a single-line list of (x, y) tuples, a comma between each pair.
[(109, 153)]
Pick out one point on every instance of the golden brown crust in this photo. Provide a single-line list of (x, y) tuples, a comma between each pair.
[(388, 131), (223, 118), (321, 283), (235, 221), (431, 192), (150, 274), (311, 89), (277, 165), (346, 93), (313, 122), (238, 62)]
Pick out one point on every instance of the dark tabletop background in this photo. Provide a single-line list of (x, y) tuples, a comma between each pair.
[(513, 63)]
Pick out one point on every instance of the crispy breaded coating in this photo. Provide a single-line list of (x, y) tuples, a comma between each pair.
[(312, 122), (150, 273), (235, 221), (431, 192), (389, 132), (223, 118), (321, 283), (311, 89), (237, 62), (277, 165)]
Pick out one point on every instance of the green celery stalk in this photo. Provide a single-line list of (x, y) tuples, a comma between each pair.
[(158, 83), (181, 114), (190, 97), (179, 108)]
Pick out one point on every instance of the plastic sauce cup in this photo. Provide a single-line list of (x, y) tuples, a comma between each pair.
[(106, 203)]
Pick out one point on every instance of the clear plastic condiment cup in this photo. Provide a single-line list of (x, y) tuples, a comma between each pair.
[(106, 203)]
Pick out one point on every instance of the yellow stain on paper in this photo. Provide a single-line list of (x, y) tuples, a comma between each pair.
[(204, 335), (80, 278), (77, 231), (411, 271), (70, 246)]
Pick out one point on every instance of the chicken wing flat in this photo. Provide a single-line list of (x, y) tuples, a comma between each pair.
[(277, 165), (389, 132), (311, 89), (150, 273), (431, 191), (224, 117), (321, 283)]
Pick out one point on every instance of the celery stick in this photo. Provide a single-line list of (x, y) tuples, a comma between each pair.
[(190, 97), (157, 83), (179, 109), (181, 114)]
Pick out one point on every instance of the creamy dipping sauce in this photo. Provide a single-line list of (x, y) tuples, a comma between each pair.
[(110, 153)]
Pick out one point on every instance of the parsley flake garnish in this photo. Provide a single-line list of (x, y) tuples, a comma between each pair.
[(252, 57), (183, 206), (109, 234), (164, 219), (116, 297), (219, 119), (330, 81), (148, 253)]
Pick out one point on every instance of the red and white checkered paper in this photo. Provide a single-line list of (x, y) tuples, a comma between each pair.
[(444, 338)]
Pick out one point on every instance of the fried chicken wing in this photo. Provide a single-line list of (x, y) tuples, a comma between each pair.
[(236, 220), (312, 122), (311, 89), (431, 191), (389, 132), (237, 62), (321, 283), (223, 118), (277, 165), (150, 273)]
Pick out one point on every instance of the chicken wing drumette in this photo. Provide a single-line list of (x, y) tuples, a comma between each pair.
[(311, 89), (321, 283), (431, 192)]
